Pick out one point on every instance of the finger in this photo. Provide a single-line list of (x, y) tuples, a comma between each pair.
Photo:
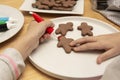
[(46, 24), (83, 40), (107, 55), (89, 46), (41, 40), (46, 36)]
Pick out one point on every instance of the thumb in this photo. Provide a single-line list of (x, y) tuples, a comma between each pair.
[(46, 24)]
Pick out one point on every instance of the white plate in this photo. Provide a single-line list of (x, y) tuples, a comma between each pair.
[(55, 62), (78, 8), (7, 11)]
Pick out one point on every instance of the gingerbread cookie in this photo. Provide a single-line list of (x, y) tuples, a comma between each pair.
[(50, 3), (63, 28), (38, 5), (86, 29), (64, 42), (68, 3), (63, 5)]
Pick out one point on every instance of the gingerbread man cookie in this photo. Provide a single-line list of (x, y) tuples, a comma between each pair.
[(86, 29), (63, 28), (64, 42), (50, 3), (38, 5), (68, 3)]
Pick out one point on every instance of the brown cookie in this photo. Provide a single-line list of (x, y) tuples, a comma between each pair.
[(64, 42), (63, 28), (62, 5), (68, 3), (63, 8), (86, 29), (60, 1), (38, 5), (50, 3)]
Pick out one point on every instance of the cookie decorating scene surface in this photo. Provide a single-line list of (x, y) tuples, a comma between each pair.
[(77, 9), (10, 12), (50, 61), (54, 61)]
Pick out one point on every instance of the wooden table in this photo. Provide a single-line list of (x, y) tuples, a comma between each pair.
[(31, 73)]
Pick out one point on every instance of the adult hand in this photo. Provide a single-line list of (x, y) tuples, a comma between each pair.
[(109, 42), (34, 35), (38, 29)]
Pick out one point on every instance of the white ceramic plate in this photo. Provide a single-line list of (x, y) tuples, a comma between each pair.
[(55, 62), (78, 9), (7, 11)]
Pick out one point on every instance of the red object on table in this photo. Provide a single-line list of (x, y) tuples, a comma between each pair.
[(49, 30)]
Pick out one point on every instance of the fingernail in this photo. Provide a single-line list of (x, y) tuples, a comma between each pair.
[(99, 61), (76, 49), (71, 43)]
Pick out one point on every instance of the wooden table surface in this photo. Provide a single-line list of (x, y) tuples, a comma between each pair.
[(31, 73)]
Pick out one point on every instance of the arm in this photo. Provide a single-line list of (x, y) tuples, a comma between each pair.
[(12, 59)]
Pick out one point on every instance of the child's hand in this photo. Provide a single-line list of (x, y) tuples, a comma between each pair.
[(110, 43)]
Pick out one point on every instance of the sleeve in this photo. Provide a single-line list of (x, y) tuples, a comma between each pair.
[(113, 5), (11, 64), (112, 71)]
